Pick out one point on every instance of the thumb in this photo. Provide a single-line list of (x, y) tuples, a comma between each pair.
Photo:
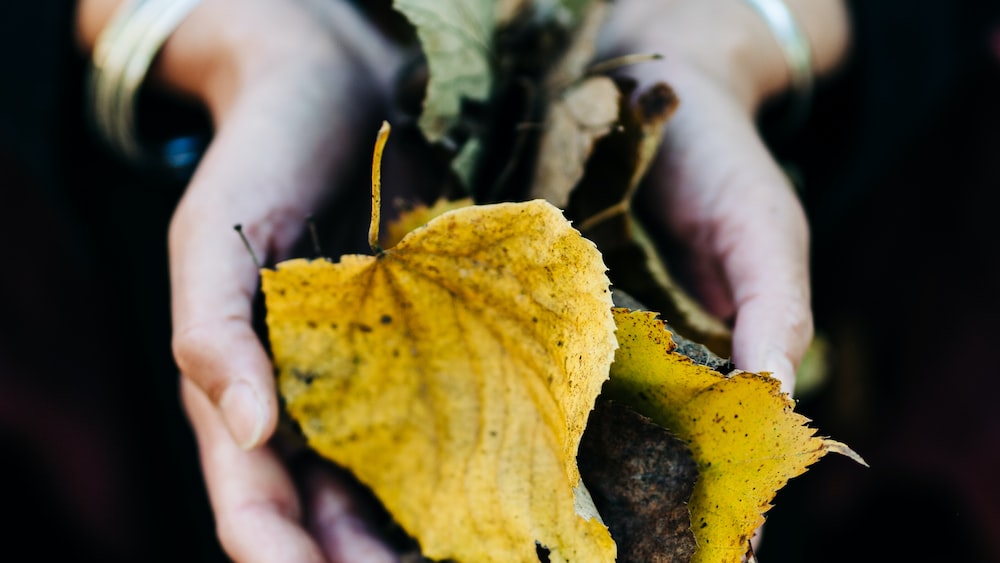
[(213, 285), (266, 169)]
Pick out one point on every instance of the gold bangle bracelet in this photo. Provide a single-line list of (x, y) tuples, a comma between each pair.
[(124, 51), (798, 55)]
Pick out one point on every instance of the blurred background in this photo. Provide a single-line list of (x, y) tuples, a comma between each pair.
[(898, 166), (899, 178)]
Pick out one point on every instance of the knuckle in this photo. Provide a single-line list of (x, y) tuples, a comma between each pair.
[(229, 536), (189, 346), (196, 356)]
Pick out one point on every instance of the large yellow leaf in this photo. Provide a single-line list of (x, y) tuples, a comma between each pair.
[(742, 431), (454, 374)]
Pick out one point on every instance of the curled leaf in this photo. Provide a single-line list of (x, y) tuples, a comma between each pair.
[(744, 434)]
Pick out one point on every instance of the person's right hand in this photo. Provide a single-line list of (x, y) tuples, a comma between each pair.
[(294, 89)]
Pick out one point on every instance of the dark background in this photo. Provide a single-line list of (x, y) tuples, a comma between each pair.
[(906, 272), (899, 166)]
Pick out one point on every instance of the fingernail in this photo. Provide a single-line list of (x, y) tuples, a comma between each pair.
[(781, 368), (243, 413)]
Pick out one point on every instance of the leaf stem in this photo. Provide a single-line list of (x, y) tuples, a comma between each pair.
[(383, 136), (624, 60), (246, 242)]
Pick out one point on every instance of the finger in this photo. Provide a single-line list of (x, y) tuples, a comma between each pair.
[(761, 239), (254, 501), (214, 345), (774, 323), (267, 169), (725, 196), (763, 248), (336, 520)]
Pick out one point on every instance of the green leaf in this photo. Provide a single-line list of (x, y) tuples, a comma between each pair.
[(457, 39)]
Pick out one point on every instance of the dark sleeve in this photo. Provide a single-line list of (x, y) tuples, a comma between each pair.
[(909, 63)]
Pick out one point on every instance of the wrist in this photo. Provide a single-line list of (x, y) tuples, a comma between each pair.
[(728, 41), (824, 27), (305, 38), (224, 48), (173, 67)]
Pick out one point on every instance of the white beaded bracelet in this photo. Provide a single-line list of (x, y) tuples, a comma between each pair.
[(124, 51), (798, 56)]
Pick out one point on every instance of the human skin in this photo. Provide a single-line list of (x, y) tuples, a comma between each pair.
[(718, 190), (286, 84), (721, 195), (288, 113)]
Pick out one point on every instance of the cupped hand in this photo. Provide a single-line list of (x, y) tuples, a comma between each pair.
[(743, 231), (291, 87), (716, 189)]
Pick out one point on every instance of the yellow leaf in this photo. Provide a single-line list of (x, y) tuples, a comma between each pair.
[(418, 216), (454, 374), (742, 431)]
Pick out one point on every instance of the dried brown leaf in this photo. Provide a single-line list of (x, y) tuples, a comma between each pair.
[(583, 114)]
